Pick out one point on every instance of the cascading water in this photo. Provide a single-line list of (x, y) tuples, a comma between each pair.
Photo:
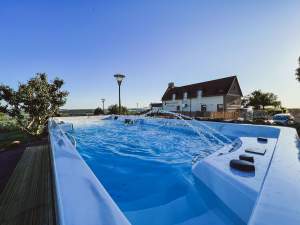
[(200, 130), (203, 131)]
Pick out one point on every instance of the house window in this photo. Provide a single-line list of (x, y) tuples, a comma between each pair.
[(203, 108), (199, 93), (178, 108), (220, 107), (185, 95), (173, 97)]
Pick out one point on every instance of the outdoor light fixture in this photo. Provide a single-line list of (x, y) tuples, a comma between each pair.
[(119, 78)]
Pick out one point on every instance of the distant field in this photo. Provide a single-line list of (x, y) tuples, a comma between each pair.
[(76, 112)]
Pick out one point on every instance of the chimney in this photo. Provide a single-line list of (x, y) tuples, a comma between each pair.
[(171, 85)]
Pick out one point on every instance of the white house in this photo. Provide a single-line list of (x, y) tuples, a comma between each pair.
[(210, 96)]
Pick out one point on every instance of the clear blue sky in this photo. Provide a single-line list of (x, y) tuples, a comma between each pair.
[(153, 42)]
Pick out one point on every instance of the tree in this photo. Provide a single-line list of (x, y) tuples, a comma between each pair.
[(98, 111), (33, 103), (245, 101), (298, 71), (258, 98), (114, 109)]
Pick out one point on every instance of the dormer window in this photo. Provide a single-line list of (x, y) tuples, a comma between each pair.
[(185, 95), (199, 93), (173, 97)]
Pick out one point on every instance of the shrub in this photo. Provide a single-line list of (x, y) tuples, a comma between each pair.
[(98, 111), (272, 112), (114, 109), (7, 123), (33, 103)]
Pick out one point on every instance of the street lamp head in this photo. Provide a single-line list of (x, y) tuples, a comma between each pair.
[(119, 77)]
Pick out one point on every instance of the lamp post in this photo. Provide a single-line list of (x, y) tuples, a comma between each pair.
[(103, 100), (119, 78)]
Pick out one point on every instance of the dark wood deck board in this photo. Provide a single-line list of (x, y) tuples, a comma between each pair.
[(27, 197)]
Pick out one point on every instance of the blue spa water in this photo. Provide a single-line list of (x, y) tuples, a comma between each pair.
[(146, 168)]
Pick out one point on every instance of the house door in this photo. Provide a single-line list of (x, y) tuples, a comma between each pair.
[(203, 108)]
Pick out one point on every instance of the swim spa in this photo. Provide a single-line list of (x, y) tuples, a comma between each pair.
[(142, 173)]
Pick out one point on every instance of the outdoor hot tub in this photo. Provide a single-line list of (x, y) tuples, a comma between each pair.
[(138, 170)]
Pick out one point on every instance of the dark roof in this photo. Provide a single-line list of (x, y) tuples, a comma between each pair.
[(209, 88)]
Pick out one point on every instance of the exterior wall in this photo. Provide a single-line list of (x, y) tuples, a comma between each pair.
[(235, 89), (171, 105), (232, 102), (210, 102)]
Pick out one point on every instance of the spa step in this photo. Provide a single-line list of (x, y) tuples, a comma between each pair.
[(209, 217), (171, 213)]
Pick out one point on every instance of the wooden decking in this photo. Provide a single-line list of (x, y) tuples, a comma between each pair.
[(28, 197)]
